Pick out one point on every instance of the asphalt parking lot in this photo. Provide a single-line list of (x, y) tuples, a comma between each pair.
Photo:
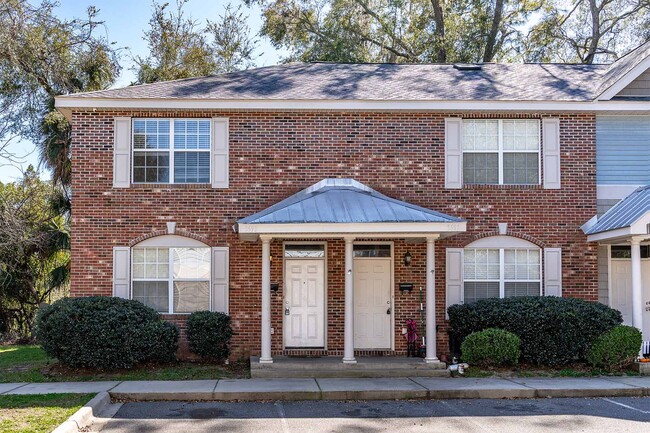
[(612, 415)]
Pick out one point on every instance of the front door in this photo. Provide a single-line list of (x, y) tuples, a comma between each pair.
[(372, 302), (622, 291), (304, 303)]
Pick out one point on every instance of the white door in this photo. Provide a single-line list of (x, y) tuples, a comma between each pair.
[(622, 289), (372, 303), (304, 303)]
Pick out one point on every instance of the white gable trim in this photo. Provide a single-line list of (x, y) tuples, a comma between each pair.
[(626, 79), (67, 103), (325, 230)]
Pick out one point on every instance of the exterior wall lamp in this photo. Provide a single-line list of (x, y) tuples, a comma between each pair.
[(407, 259)]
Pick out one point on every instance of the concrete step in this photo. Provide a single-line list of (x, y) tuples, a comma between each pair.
[(328, 367)]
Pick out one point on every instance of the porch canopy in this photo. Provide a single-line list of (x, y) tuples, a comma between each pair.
[(348, 209), (626, 222)]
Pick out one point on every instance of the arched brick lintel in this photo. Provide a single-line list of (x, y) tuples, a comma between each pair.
[(508, 233), (177, 232)]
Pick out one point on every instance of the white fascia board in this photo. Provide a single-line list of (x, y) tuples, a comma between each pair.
[(609, 236), (65, 103), (341, 229), (626, 79), (614, 192)]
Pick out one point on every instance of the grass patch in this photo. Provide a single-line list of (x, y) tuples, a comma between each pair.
[(31, 364), (38, 413), (525, 370)]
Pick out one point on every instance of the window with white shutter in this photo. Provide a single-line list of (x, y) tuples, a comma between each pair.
[(179, 151)]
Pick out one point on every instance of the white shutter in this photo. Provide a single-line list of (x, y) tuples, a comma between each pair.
[(121, 272), (453, 153), (122, 152), (553, 271), (220, 279), (454, 276), (219, 170), (551, 147)]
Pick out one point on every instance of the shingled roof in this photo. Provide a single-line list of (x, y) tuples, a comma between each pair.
[(379, 82)]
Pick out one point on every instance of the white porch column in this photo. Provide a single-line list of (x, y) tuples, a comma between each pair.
[(265, 358), (348, 333), (430, 328), (637, 290)]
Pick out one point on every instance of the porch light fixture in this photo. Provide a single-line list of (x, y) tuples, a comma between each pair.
[(407, 259), (275, 287)]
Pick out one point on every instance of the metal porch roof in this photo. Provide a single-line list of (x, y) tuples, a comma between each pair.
[(624, 213), (344, 201)]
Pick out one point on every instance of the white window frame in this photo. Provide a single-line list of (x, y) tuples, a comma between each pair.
[(502, 267), (500, 151), (172, 149), (170, 279)]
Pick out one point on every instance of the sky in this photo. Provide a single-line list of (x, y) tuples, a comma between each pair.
[(125, 22)]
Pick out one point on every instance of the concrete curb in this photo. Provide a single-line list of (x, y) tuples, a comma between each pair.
[(86, 415), (391, 389)]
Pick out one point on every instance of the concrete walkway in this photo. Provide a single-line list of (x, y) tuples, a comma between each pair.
[(347, 388)]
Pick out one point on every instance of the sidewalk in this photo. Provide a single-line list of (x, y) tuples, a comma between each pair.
[(347, 388)]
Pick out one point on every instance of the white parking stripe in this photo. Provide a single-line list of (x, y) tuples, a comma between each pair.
[(625, 405), (283, 418)]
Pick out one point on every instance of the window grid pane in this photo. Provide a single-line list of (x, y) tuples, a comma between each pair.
[(520, 134), (480, 134), (520, 168), (192, 167), (151, 167), (481, 168), (154, 294), (475, 290), (481, 264), (151, 263), (191, 263), (513, 289), (191, 296)]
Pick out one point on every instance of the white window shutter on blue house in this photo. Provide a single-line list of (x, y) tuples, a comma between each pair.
[(220, 145), (220, 268), (553, 271), (551, 147), (121, 272), (454, 276), (122, 152), (453, 152)]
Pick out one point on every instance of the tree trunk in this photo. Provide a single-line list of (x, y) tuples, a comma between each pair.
[(490, 43), (439, 19)]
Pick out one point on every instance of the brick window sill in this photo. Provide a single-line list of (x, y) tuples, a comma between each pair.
[(168, 186), (480, 187)]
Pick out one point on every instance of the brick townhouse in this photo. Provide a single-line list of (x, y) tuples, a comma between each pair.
[(321, 205)]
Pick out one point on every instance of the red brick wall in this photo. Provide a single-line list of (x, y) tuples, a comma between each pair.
[(273, 155)]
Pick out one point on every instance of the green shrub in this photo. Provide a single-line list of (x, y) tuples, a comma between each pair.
[(553, 331), (209, 334), (616, 349), (104, 332), (491, 347)]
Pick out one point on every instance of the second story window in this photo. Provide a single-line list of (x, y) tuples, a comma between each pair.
[(501, 152), (171, 150)]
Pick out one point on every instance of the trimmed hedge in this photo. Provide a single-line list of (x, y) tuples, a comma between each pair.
[(491, 347), (104, 332), (209, 334), (553, 331), (616, 349)]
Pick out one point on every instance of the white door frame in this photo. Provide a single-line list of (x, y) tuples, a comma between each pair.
[(284, 288), (392, 281)]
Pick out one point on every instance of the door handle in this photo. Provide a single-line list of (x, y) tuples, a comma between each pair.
[(388, 311)]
